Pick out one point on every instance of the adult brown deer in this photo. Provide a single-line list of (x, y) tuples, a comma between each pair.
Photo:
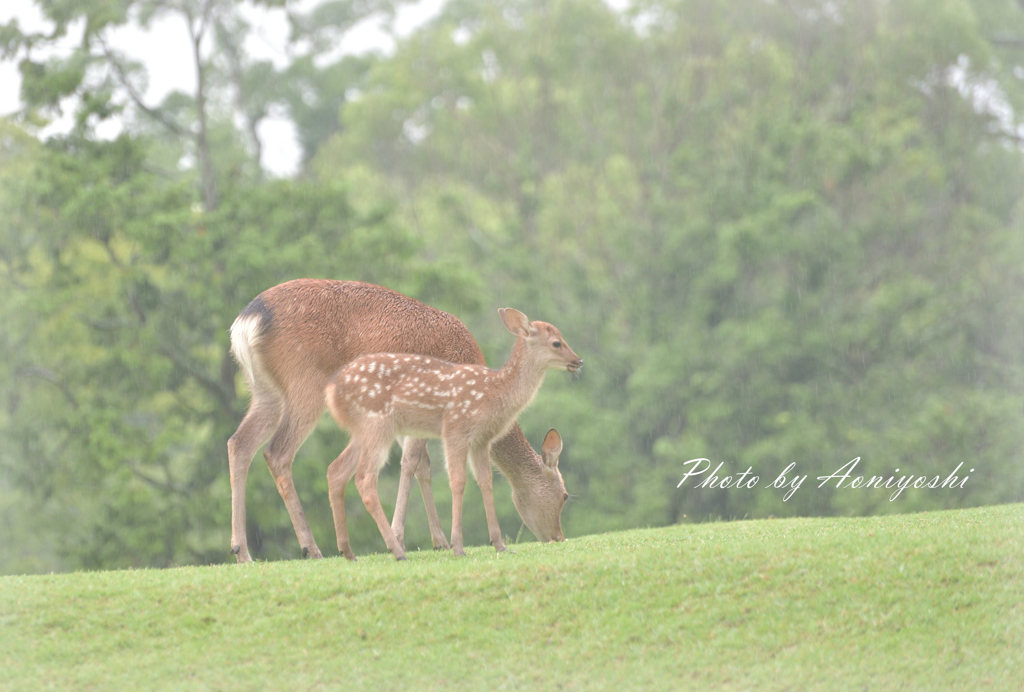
[(380, 396), (294, 336)]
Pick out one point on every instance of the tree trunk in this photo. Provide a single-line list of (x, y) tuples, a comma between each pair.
[(208, 181)]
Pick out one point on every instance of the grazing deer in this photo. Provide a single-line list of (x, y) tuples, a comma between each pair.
[(293, 337), (380, 396)]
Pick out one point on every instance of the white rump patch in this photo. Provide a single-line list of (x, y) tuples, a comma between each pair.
[(245, 335)]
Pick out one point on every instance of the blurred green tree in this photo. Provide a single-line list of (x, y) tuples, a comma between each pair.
[(783, 232), (122, 272), (780, 232)]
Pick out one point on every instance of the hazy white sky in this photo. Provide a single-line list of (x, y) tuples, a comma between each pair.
[(164, 50)]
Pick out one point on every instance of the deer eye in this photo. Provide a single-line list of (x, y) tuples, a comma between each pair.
[(557, 344)]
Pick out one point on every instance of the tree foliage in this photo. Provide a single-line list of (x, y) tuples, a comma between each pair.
[(777, 233), (784, 232)]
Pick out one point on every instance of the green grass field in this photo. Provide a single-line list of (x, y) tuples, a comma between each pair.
[(920, 602)]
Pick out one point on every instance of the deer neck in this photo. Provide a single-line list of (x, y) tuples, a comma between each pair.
[(518, 382), (515, 458)]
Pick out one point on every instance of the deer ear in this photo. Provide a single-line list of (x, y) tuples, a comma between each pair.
[(551, 448), (515, 321)]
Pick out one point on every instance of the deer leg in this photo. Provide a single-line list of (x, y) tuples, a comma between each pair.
[(416, 462), (298, 422), (410, 460), (481, 460), (455, 457), (372, 457), (339, 473), (423, 478), (259, 422)]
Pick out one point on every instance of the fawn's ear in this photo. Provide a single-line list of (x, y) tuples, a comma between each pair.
[(551, 448), (516, 322)]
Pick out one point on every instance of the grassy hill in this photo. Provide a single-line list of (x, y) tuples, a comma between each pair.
[(924, 601)]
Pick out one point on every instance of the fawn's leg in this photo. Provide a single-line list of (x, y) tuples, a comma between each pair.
[(372, 457), (416, 461), (410, 459), (437, 536), (455, 457), (260, 421), (339, 473), (480, 458)]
